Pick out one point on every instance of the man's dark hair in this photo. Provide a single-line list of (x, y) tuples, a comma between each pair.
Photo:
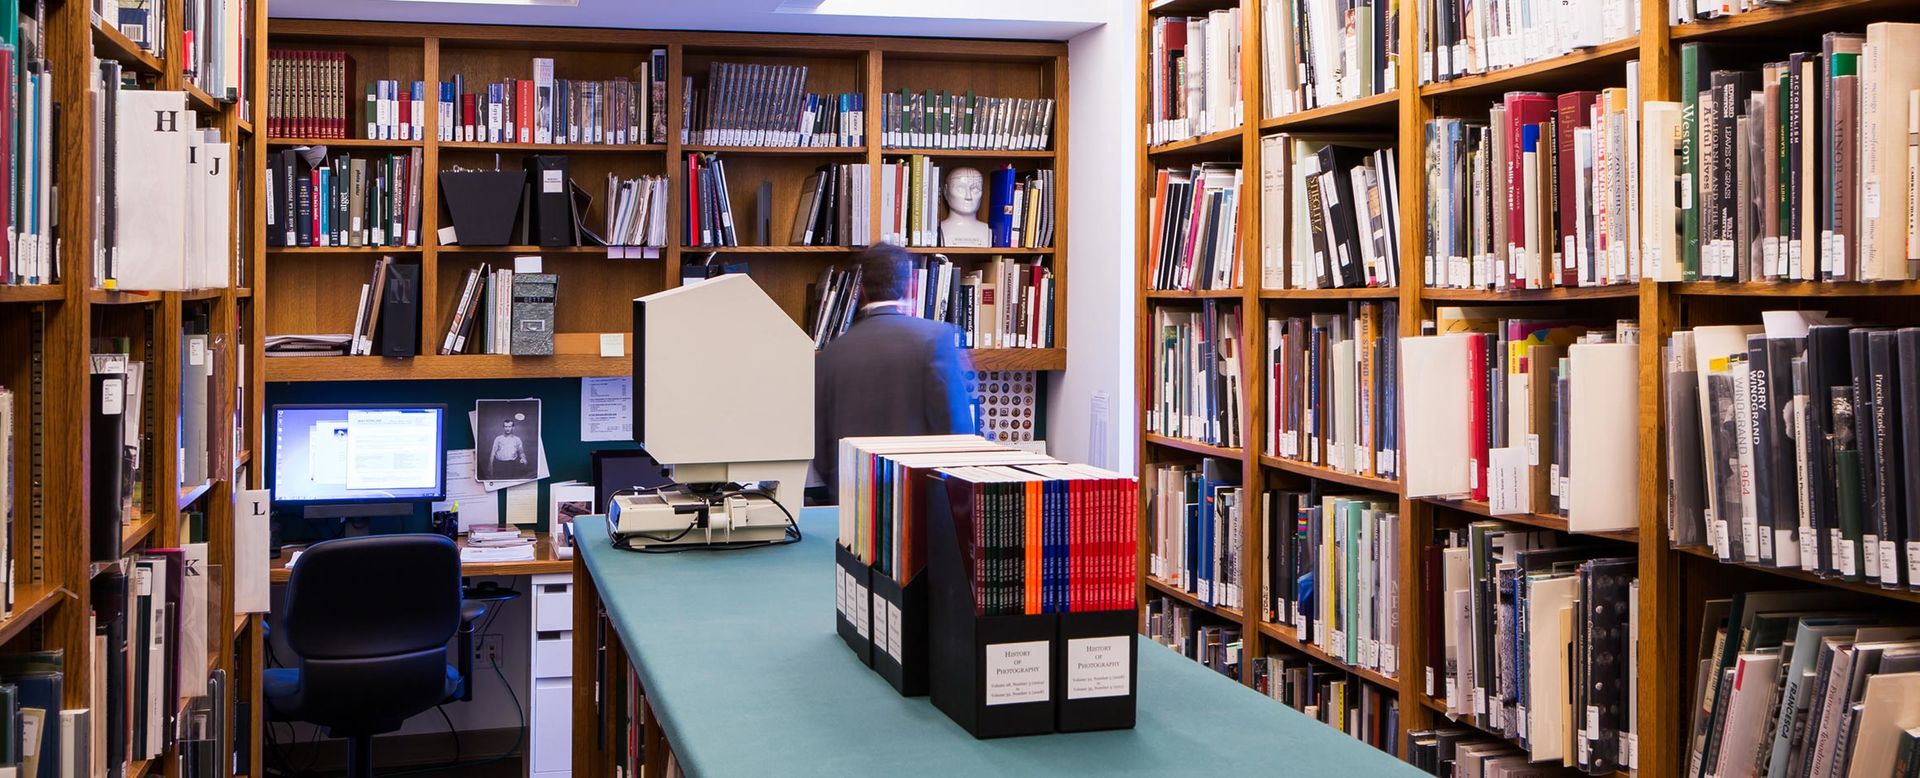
[(884, 273)]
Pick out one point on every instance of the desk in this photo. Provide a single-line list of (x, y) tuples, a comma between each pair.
[(543, 563), (744, 675)]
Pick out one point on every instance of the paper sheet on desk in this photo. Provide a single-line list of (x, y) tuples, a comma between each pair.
[(606, 409), (523, 503), (473, 422)]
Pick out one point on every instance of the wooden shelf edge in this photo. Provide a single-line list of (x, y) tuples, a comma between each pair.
[(584, 148), (118, 297), (1351, 293), (110, 43), (138, 532), (30, 602), (1760, 20), (971, 153), (192, 494), (1540, 520), (1194, 446), (1439, 294), (1382, 485), (777, 151), (1861, 587), (1194, 294), (348, 249), (1498, 80), (1286, 636), (32, 293), (1222, 141), (968, 250), (347, 143), (435, 367), (1336, 114), (1797, 288), (1219, 611)]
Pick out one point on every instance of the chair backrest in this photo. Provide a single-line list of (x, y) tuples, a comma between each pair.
[(380, 595)]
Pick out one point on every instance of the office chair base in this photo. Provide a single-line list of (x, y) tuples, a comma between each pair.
[(360, 756)]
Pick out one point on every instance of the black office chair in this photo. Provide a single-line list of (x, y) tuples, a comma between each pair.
[(368, 619)]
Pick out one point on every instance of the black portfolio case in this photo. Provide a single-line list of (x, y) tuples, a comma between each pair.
[(900, 633), (482, 204), (1097, 661), (552, 216), (400, 311)]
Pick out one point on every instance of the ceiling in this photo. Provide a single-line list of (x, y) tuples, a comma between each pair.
[(1007, 19)]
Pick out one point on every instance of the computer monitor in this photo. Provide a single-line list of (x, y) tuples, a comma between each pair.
[(356, 460)]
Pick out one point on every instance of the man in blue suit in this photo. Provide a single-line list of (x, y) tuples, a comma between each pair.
[(891, 373)]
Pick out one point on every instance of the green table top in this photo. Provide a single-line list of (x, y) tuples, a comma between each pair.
[(738, 655)]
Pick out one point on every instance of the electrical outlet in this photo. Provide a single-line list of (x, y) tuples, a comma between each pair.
[(492, 647)]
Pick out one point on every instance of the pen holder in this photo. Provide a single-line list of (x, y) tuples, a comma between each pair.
[(445, 523)]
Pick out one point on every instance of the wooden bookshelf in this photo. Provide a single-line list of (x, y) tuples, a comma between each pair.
[(55, 327), (310, 290), (1673, 581)]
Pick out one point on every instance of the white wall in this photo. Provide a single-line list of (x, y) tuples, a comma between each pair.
[(1101, 135)]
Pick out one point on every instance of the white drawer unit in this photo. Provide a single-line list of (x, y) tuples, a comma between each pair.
[(550, 707)]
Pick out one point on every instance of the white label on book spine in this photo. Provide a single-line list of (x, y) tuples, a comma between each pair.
[(1721, 539), (1299, 624), (1809, 548), (143, 581), (113, 396), (893, 631), (1429, 682), (1913, 562), (1845, 554), (552, 182), (840, 591), (196, 351), (861, 617), (1390, 663), (1338, 646), (1785, 550), (879, 622), (1453, 695), (1533, 450), (1630, 746), (1099, 667), (1593, 722), (1016, 673), (1889, 562), (1497, 717), (1480, 700), (1870, 545)]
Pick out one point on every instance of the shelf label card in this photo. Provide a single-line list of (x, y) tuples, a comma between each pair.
[(861, 616), (879, 622), (893, 631), (1099, 667), (1016, 673)]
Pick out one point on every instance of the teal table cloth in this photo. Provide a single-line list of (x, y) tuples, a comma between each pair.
[(737, 654)]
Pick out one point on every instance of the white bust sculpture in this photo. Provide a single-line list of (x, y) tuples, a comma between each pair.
[(962, 227)]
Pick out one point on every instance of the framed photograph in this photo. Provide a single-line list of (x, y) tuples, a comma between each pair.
[(507, 439)]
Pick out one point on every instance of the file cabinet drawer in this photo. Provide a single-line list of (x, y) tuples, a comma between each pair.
[(552, 654), (552, 725), (553, 606)]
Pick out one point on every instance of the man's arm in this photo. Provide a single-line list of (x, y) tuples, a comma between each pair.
[(947, 407)]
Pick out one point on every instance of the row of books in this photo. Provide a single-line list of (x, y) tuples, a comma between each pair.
[(318, 198), (1194, 235), (1800, 170), (944, 120), (1331, 696), (541, 109), (708, 216), (200, 375), (1017, 208), (1541, 195), (1329, 214), (636, 211), (1527, 413), (1193, 76), (116, 424), (308, 94), (1195, 522), (753, 104), (502, 311), (165, 214), (210, 43), (1003, 303), (30, 252), (1178, 626), (1316, 53), (1197, 391), (1793, 444), (1331, 570), (1451, 751), (1533, 639), (1462, 38), (1047, 538), (833, 207), (1333, 389), (1793, 683), (150, 638)]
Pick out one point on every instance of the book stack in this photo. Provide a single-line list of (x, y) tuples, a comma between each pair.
[(752, 104), (1802, 683), (1542, 195), (1316, 54), (708, 218), (833, 207), (1534, 641), (166, 210), (1332, 388), (1332, 696), (1329, 214), (540, 109), (211, 45), (1004, 303), (1802, 170), (1330, 565), (491, 309), (1195, 232), (1048, 538), (1196, 392), (1792, 444), (1174, 624), (29, 254), (1195, 523), (910, 201), (636, 213), (1460, 751), (944, 120), (1193, 76), (318, 198), (1527, 413), (1463, 38), (149, 627), (310, 94)]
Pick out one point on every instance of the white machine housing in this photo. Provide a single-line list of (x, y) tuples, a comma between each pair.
[(723, 393)]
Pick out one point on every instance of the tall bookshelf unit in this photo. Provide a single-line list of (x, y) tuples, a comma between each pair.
[(1674, 582), (50, 329), (312, 289)]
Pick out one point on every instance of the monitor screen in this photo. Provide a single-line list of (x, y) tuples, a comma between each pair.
[(357, 453)]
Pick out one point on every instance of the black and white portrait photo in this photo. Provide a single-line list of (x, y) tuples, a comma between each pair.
[(508, 439)]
